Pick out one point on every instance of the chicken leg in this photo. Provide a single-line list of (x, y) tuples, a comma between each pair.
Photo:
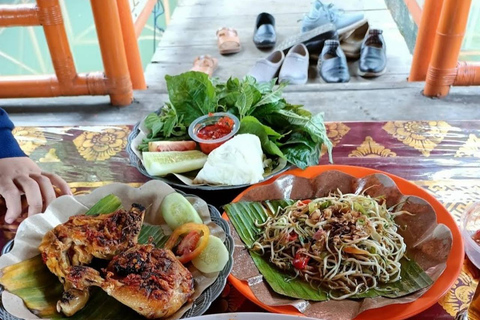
[(149, 280), (80, 239)]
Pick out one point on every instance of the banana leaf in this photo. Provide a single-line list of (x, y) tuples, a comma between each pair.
[(245, 215), (106, 205), (40, 289)]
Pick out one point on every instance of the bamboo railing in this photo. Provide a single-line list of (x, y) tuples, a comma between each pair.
[(117, 36), (435, 59)]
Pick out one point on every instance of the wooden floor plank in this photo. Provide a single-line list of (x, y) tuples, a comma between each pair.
[(181, 54), (212, 8), (281, 20), (189, 36), (156, 80), (199, 31)]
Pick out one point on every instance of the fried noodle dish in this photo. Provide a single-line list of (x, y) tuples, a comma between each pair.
[(347, 243)]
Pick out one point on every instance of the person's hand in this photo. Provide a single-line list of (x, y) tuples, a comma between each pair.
[(23, 176)]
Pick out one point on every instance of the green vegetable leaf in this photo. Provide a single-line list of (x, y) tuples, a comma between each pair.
[(143, 147), (273, 96), (265, 110), (301, 154), (151, 119), (244, 101), (298, 109), (251, 125), (293, 118), (300, 150), (250, 80), (266, 87), (316, 128), (192, 94), (157, 127)]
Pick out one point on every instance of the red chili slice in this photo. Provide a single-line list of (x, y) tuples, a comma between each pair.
[(300, 261)]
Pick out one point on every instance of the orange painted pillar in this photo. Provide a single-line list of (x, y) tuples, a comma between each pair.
[(448, 42), (56, 36), (134, 61), (19, 15), (425, 39), (109, 31), (468, 74)]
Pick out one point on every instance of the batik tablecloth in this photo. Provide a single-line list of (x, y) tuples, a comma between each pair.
[(442, 157)]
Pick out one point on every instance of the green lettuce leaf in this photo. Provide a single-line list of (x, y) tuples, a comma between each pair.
[(251, 125), (192, 94), (285, 130), (273, 96), (300, 150)]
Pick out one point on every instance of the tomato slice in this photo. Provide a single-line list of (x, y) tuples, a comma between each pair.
[(292, 236), (162, 146), (189, 243), (300, 261), (189, 249)]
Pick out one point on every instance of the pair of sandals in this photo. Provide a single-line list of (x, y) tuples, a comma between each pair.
[(228, 42)]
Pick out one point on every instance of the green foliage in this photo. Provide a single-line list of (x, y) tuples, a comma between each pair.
[(107, 204), (285, 130)]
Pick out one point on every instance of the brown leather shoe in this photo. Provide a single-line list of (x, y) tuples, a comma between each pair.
[(352, 43)]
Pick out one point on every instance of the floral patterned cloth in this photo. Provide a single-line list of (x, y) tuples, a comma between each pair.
[(442, 157)]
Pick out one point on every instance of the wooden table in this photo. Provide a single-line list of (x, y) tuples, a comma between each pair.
[(443, 158)]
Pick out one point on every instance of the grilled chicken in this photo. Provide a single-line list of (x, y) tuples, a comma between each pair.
[(80, 239), (149, 280)]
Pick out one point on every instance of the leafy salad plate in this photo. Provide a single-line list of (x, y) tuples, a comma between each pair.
[(289, 134), (41, 289), (434, 246), (184, 180)]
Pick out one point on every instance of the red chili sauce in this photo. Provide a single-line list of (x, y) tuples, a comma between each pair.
[(217, 130), (213, 132)]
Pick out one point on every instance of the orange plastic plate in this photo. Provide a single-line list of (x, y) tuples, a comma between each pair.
[(394, 311)]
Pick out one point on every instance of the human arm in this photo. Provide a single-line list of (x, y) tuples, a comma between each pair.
[(21, 175)]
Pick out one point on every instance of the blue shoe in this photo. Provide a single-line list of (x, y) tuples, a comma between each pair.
[(321, 14)]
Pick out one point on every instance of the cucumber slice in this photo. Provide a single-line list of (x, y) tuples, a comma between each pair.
[(177, 210), (213, 258), (163, 163)]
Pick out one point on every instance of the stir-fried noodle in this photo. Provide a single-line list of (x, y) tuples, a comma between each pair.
[(347, 243)]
